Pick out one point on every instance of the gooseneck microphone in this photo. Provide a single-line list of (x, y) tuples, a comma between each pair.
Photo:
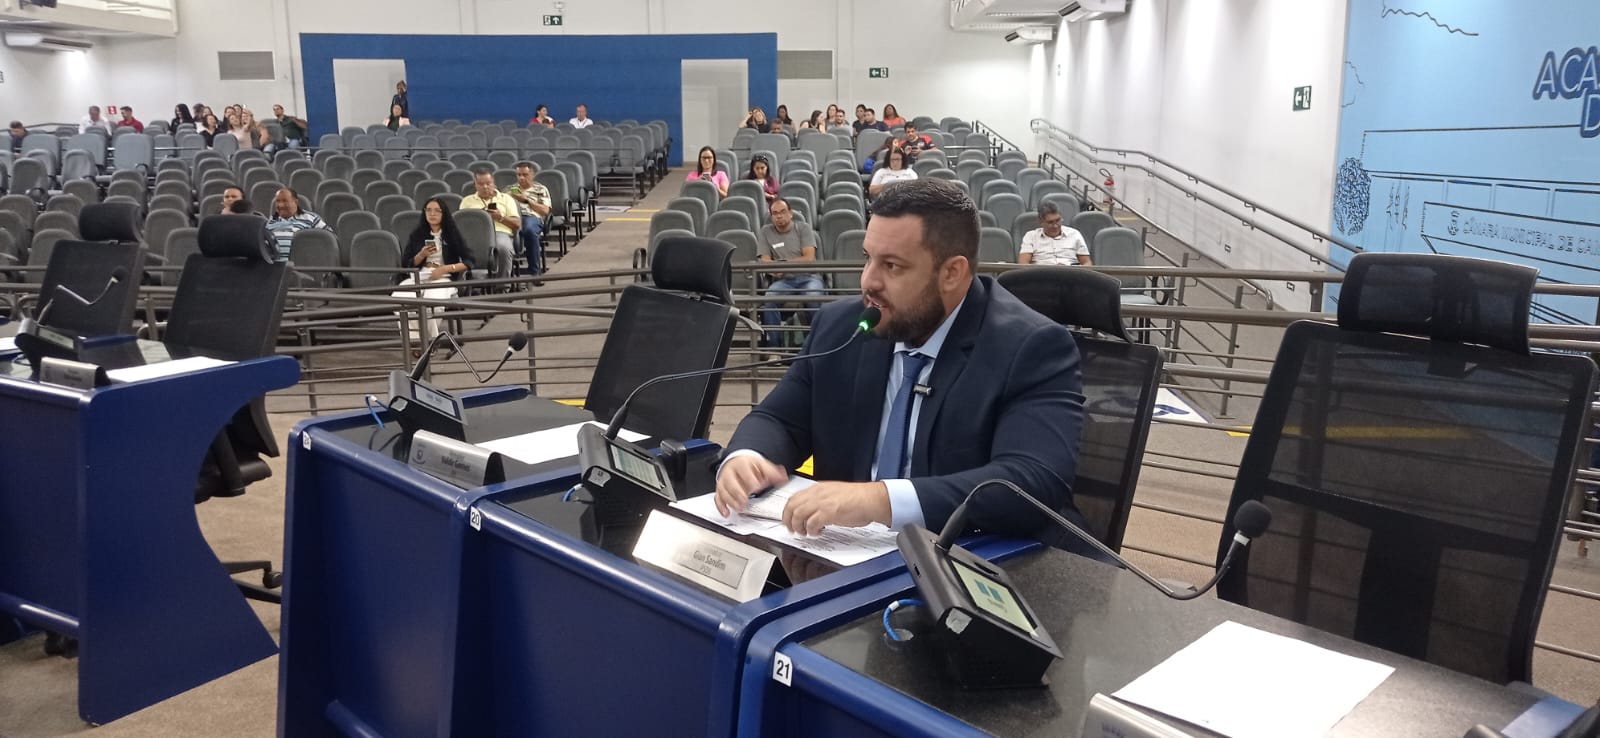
[(865, 323), (117, 276), (519, 341), (1249, 522)]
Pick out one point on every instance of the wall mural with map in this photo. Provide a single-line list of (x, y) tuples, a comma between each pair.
[(1472, 127)]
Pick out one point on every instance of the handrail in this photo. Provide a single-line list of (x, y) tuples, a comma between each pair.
[(979, 126), (1051, 130)]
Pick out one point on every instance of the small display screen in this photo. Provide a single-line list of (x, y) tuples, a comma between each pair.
[(638, 468), (436, 400), (993, 597)]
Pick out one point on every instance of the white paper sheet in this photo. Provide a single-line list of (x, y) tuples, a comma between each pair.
[(1247, 683), (548, 445), (7, 345), (164, 369), (764, 517)]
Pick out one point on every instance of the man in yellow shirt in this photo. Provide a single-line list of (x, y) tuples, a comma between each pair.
[(503, 211)]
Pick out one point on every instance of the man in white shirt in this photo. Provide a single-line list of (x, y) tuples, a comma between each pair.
[(582, 121), (93, 120), (1053, 243)]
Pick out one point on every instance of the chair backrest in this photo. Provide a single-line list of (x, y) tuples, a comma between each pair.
[(849, 246), (1049, 187), (995, 245), (56, 219), (994, 187), (478, 229), (181, 244), (229, 302), (1437, 545), (703, 191), (683, 322), (695, 207), (726, 220), (671, 219), (350, 225), (1120, 382), (1006, 206), (831, 225), (377, 191), (1089, 224), (87, 268), (1120, 247), (745, 205), (379, 249), (336, 205), (314, 248), (1066, 202)]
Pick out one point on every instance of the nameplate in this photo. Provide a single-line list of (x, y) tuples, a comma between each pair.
[(74, 374), (703, 557), (458, 463), (1109, 718)]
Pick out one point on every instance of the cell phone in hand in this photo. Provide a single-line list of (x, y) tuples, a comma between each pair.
[(494, 206)]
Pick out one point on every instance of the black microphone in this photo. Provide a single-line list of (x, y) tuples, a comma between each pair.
[(1249, 522), (519, 341), (117, 275), (868, 320)]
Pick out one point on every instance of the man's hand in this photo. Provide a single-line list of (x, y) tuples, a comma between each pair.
[(743, 476), (848, 504)]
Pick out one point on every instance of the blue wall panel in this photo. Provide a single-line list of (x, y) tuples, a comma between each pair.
[(1472, 127), (504, 77)]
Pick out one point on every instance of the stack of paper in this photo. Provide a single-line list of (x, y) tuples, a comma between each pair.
[(164, 369), (547, 445), (1246, 683), (764, 517)]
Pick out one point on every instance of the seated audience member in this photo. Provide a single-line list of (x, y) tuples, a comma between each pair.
[(533, 205), (760, 171), (128, 121), (439, 255), (503, 211), (247, 132), (240, 206), (861, 117), (891, 116), (869, 120), (815, 122), (837, 120), (396, 119), (1004, 398), (288, 219), (94, 121), (581, 120), (782, 117), (180, 116), (230, 196), (209, 128), (17, 134), (1052, 242), (893, 170), (877, 158), (706, 168), (229, 118), (827, 115), (914, 143), (757, 119), (294, 129), (786, 239), (401, 99), (541, 116)]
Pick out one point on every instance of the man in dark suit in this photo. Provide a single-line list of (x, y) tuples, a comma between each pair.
[(994, 390)]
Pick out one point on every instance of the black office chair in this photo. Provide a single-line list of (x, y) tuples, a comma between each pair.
[(228, 305), (110, 241), (683, 322), (1120, 379), (1416, 458)]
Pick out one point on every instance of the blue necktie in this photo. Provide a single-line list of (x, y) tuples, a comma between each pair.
[(892, 454)]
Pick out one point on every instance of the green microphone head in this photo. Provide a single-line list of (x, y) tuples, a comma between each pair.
[(869, 319)]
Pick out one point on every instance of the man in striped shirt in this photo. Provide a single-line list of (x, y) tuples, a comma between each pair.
[(288, 219)]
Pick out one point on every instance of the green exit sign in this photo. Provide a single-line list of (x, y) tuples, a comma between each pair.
[(878, 73), (552, 20), (1302, 98)]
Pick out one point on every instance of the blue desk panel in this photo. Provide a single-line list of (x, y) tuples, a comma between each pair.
[(98, 535)]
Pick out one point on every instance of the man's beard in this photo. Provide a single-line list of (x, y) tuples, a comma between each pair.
[(913, 322)]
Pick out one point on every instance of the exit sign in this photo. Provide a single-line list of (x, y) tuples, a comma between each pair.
[(1302, 98), (878, 73), (552, 20)]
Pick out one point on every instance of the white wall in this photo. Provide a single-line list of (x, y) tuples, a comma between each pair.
[(1208, 86), (48, 86), (933, 70)]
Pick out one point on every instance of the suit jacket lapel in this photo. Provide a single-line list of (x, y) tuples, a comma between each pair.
[(947, 368), (866, 407)]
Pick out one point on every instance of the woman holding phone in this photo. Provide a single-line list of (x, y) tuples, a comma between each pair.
[(706, 169), (438, 254)]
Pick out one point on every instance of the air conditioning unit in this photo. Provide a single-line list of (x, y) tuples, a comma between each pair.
[(47, 42), (1084, 10), (1029, 35)]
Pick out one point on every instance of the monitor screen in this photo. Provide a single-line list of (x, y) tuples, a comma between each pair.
[(993, 597), (637, 467)]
